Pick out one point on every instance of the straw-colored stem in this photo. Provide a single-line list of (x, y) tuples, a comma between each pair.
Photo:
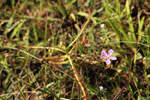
[(83, 28), (78, 78)]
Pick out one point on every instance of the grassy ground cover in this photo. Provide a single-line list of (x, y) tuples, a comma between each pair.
[(74, 50)]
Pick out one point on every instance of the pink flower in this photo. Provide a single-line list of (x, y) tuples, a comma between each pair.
[(107, 57)]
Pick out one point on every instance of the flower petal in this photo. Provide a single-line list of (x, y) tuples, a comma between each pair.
[(113, 58), (110, 52), (103, 54), (108, 61)]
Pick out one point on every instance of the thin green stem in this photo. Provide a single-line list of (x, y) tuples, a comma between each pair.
[(83, 28)]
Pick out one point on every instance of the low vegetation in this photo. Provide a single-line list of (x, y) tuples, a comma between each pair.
[(74, 50)]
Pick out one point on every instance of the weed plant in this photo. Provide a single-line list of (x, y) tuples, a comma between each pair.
[(74, 50)]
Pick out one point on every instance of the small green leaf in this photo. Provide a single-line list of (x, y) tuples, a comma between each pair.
[(141, 98), (17, 30), (1, 98), (66, 66), (35, 32)]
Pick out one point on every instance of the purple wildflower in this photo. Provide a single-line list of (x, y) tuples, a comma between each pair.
[(107, 57)]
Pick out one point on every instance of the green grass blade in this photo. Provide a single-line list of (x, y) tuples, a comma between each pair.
[(16, 31)]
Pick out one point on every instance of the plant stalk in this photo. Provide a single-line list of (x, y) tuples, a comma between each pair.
[(78, 78)]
